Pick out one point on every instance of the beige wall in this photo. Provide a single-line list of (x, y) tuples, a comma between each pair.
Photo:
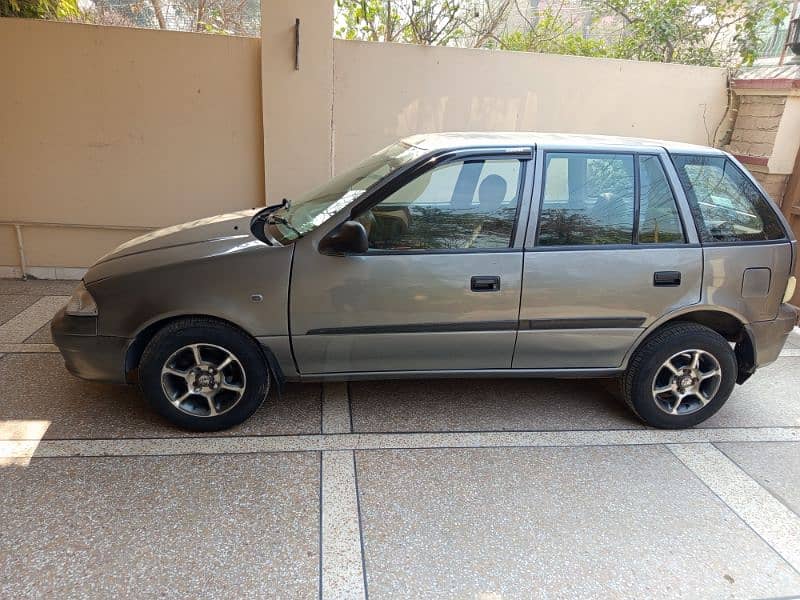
[(126, 127), (297, 102), (386, 91), (104, 126)]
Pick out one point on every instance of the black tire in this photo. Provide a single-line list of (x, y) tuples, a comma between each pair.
[(209, 333), (648, 362)]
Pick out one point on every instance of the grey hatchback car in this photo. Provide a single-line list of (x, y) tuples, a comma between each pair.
[(663, 265)]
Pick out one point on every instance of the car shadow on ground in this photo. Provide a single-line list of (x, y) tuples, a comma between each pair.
[(40, 389)]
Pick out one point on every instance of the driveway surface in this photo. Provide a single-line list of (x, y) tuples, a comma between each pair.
[(415, 489)]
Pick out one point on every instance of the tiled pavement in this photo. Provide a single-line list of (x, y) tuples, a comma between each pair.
[(416, 489)]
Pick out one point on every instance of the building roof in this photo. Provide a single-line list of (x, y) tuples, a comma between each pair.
[(440, 141)]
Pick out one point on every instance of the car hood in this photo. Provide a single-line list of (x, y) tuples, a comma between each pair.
[(204, 238), (228, 226)]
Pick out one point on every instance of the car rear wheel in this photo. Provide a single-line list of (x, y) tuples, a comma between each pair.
[(203, 375), (680, 376)]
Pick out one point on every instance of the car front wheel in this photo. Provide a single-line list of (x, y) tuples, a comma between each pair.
[(203, 375), (680, 376)]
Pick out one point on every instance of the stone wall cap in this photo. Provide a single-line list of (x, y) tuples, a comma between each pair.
[(771, 77)]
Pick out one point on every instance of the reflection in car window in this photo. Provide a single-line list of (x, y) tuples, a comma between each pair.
[(460, 205), (312, 209), (588, 200), (659, 222), (726, 206)]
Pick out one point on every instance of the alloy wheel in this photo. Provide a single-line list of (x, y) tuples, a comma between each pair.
[(686, 382), (203, 380)]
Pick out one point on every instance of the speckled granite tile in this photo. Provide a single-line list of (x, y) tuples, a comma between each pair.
[(38, 387), (765, 514), (487, 405), (13, 304), (769, 398), (28, 348), (342, 573), (166, 527), (42, 336), (335, 408), (30, 320), (38, 287), (775, 465), (556, 523)]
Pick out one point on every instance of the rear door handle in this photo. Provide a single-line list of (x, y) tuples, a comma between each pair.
[(485, 283), (667, 278)]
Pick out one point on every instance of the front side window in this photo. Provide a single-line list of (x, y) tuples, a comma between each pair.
[(726, 206), (461, 205), (588, 199)]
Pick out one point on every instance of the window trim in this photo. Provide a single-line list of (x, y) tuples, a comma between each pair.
[(635, 155), (749, 178), (637, 198), (524, 154)]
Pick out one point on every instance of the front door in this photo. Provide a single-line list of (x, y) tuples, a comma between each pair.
[(440, 285), (608, 256)]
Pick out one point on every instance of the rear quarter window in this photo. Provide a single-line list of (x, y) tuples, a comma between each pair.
[(725, 204)]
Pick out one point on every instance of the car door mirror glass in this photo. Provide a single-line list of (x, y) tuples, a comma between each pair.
[(348, 238)]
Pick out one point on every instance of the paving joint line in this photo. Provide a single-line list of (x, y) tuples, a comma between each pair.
[(360, 517), (27, 448), (319, 558), (773, 522), (776, 495)]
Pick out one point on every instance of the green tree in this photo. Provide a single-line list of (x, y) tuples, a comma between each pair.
[(705, 33), (701, 32), (551, 34), (425, 22), (39, 9)]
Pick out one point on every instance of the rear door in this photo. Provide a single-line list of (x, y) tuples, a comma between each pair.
[(748, 255), (610, 249), (438, 289)]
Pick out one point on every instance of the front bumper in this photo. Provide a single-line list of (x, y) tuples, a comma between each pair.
[(86, 354), (770, 336)]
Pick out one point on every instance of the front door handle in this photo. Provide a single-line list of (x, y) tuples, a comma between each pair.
[(485, 283), (667, 278)]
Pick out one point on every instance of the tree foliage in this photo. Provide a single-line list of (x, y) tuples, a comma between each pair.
[(702, 32), (552, 34), (231, 17), (39, 9), (425, 22), (706, 33)]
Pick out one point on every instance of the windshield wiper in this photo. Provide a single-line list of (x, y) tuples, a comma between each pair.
[(272, 219), (262, 216)]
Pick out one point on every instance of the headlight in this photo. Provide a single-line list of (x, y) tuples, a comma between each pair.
[(81, 304), (790, 285)]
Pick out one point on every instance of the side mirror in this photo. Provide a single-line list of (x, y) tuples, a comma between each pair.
[(348, 238)]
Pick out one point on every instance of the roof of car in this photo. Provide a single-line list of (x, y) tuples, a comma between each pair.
[(454, 140)]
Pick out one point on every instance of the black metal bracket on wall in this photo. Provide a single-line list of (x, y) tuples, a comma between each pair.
[(297, 44)]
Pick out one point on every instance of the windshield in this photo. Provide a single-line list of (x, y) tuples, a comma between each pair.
[(313, 208)]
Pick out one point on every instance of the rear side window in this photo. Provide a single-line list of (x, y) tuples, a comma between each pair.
[(659, 222), (726, 206), (588, 199)]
